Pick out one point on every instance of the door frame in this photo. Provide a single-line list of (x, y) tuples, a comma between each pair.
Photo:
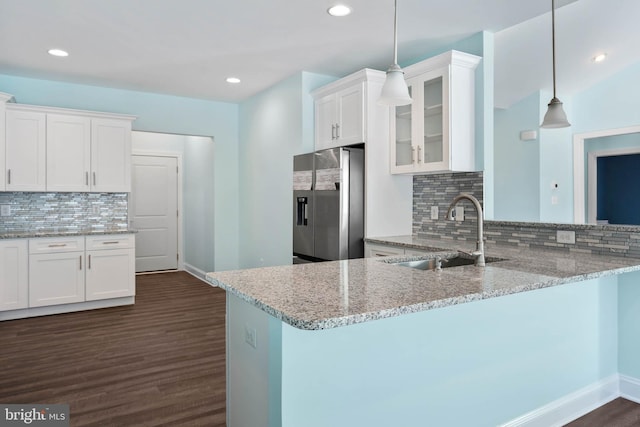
[(178, 156), (579, 214)]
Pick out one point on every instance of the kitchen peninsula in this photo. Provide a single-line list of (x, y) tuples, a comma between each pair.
[(367, 342)]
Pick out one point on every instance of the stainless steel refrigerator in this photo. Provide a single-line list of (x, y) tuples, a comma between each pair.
[(328, 204)]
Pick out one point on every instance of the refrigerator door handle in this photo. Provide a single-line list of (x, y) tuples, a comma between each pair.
[(302, 216)]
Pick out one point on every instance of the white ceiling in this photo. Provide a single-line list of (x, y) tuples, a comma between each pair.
[(189, 47)]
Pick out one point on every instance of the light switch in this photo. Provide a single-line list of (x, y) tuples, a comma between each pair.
[(459, 213)]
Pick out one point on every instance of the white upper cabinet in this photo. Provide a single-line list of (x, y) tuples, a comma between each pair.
[(68, 152), (435, 133), (110, 155), (340, 111), (25, 151), (54, 149)]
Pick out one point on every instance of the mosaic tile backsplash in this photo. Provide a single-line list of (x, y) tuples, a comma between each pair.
[(439, 190), (36, 212)]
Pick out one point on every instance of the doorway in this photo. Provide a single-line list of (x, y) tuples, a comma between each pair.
[(585, 188), (154, 211)]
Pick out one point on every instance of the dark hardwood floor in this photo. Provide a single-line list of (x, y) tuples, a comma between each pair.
[(617, 413), (158, 362)]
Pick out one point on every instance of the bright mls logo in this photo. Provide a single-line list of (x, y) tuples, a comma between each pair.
[(34, 415)]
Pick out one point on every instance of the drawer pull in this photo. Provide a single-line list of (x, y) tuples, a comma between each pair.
[(114, 242), (58, 245), (80, 262), (89, 262)]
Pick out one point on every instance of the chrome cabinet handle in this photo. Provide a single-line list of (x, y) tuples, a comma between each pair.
[(337, 131), (419, 154), (94, 178), (57, 245), (86, 178), (8, 176), (333, 131), (80, 262), (89, 262), (114, 242)]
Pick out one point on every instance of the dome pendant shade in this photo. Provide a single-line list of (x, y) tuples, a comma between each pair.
[(555, 117), (395, 91)]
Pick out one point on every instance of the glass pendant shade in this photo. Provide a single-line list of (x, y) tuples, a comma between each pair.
[(555, 117), (395, 91)]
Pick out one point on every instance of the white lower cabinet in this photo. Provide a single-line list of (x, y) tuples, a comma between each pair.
[(110, 267), (56, 271), (42, 272), (376, 250), (14, 273)]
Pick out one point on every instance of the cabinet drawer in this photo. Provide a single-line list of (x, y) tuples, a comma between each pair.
[(110, 241), (47, 245)]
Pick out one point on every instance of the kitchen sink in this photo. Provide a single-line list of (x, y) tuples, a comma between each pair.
[(431, 263)]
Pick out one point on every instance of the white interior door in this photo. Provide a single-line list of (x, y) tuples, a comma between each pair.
[(154, 212)]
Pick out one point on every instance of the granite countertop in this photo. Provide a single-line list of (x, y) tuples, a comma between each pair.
[(338, 293), (22, 234)]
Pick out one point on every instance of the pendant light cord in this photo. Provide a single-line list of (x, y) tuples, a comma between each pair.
[(395, 32), (553, 43)]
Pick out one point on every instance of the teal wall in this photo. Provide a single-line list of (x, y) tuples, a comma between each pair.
[(517, 163), (275, 125), (498, 358), (629, 321), (556, 166), (610, 104), (168, 114)]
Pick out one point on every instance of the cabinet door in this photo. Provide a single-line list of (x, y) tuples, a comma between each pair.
[(403, 151), (68, 152), (110, 156), (56, 278), (25, 151), (110, 274), (14, 284), (433, 155), (325, 122), (350, 121)]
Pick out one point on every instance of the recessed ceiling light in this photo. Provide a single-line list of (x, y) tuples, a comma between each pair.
[(58, 52), (233, 80), (599, 58), (339, 10)]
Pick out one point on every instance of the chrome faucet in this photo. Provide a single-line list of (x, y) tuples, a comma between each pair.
[(479, 252)]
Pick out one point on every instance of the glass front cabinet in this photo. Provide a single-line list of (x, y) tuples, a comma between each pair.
[(435, 133)]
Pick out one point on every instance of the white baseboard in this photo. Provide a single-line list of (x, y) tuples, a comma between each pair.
[(630, 388), (65, 308), (196, 272), (572, 406)]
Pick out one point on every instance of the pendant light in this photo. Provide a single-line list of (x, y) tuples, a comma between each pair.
[(555, 117), (395, 91)]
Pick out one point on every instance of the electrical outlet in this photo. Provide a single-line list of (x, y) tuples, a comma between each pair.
[(459, 213), (566, 237), (250, 336), (5, 210), (434, 212)]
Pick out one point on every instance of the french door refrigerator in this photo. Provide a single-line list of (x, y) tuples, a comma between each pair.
[(328, 204)]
